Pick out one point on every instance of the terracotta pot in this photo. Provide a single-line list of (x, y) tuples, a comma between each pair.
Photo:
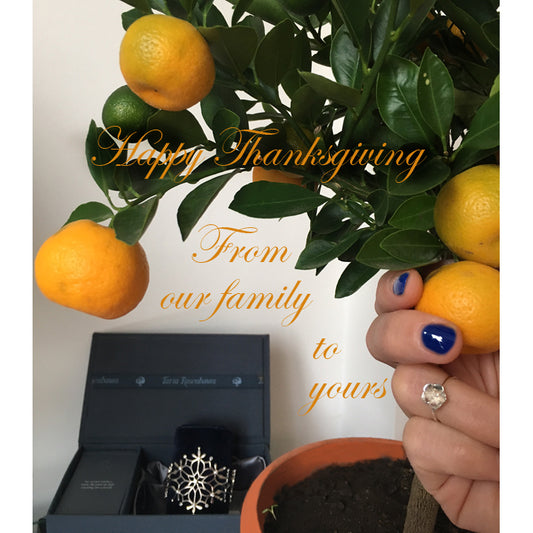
[(298, 464)]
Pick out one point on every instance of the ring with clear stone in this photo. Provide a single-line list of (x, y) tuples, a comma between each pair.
[(434, 395)]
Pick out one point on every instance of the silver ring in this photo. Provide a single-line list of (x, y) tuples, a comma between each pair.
[(434, 395)]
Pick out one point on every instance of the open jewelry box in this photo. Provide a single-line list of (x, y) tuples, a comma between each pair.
[(140, 387)]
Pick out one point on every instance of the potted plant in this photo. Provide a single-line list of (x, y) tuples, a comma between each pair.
[(373, 105), (335, 485)]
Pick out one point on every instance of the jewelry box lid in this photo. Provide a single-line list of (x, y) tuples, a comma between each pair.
[(141, 386)]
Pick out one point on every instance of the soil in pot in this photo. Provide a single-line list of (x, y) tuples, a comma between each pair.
[(368, 496)]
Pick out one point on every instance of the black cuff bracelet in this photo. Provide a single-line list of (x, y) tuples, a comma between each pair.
[(200, 480)]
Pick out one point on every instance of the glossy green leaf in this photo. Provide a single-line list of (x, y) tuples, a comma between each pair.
[(99, 157), (435, 94), (300, 60), (424, 177), (195, 204), (414, 213), (263, 199), (413, 246), (484, 130), (232, 47), (355, 17), (373, 255), (306, 105), (129, 17), (397, 100), (94, 211), (330, 218), (223, 98), (320, 252), (268, 10), (332, 90), (131, 222), (225, 126), (344, 57), (379, 200), (354, 276), (270, 64), (239, 10), (141, 5), (180, 129)]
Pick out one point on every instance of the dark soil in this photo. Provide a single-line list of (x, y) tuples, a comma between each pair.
[(366, 497)]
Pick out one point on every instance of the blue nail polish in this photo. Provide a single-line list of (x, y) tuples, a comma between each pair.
[(399, 284), (438, 338)]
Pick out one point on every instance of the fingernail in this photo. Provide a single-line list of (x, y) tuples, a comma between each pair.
[(399, 284), (438, 338)]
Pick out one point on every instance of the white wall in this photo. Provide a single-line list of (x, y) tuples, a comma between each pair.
[(75, 68)]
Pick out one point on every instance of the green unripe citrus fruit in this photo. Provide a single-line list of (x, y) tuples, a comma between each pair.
[(123, 108)]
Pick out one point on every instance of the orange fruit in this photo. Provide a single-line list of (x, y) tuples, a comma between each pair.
[(85, 267), (468, 294), (166, 62), (467, 214), (277, 176)]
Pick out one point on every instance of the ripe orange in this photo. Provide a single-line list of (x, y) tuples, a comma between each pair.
[(468, 294), (467, 214), (166, 62), (85, 267), (278, 176)]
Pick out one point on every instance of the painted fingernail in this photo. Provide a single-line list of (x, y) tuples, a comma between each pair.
[(438, 338), (399, 284)]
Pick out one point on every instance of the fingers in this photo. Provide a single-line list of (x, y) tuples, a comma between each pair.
[(408, 336), (461, 473), (402, 335), (444, 451), (398, 290), (467, 409)]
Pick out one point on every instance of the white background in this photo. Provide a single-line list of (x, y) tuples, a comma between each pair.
[(75, 69)]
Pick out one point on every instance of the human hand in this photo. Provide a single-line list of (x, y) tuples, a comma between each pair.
[(457, 457)]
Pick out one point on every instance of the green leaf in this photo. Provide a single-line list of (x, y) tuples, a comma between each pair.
[(373, 255), (99, 156), (379, 200), (413, 246), (131, 222), (195, 204), (129, 17), (332, 90), (330, 218), (484, 130), (273, 57), (141, 5), (240, 8), (425, 177), (306, 105), (264, 199), (436, 95), (354, 14), (354, 276), (94, 211), (177, 127), (414, 213), (232, 47), (397, 100), (320, 252), (344, 57), (224, 122), (223, 98), (300, 60), (268, 10)]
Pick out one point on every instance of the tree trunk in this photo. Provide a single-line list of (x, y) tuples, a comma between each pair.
[(422, 510)]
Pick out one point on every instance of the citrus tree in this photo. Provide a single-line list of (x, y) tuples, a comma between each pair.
[(374, 104)]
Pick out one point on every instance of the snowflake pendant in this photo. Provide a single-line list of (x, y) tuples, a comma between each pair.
[(196, 483)]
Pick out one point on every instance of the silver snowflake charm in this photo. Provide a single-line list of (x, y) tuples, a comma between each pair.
[(196, 483)]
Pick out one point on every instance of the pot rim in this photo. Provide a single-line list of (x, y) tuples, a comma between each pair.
[(256, 500)]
